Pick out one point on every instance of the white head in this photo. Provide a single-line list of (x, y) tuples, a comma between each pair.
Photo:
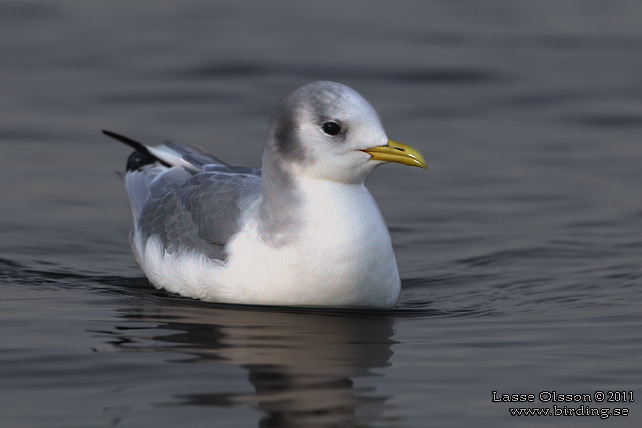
[(327, 131)]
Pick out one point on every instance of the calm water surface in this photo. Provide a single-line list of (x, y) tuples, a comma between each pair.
[(520, 251)]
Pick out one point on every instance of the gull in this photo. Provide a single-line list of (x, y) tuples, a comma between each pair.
[(302, 230)]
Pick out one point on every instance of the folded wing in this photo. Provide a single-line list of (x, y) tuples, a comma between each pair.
[(186, 197)]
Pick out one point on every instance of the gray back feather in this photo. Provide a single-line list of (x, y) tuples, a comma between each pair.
[(193, 207), (201, 213), (194, 155)]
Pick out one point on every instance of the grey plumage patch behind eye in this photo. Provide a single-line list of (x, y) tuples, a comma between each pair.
[(315, 103), (285, 133)]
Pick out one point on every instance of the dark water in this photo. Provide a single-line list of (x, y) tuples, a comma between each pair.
[(520, 251)]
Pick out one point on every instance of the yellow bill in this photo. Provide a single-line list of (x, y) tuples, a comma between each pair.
[(397, 152)]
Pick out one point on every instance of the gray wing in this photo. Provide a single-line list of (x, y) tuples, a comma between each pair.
[(201, 213), (194, 156), (194, 203)]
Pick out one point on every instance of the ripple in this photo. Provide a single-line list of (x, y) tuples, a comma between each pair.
[(164, 96), (610, 121), (547, 253), (469, 75)]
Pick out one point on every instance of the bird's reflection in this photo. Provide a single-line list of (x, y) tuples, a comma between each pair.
[(302, 364)]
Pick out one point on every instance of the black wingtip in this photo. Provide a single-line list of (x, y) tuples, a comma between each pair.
[(139, 147), (140, 157)]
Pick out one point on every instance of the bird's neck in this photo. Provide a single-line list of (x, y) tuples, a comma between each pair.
[(280, 191), (290, 199)]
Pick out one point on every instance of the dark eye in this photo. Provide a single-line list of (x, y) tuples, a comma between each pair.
[(331, 128)]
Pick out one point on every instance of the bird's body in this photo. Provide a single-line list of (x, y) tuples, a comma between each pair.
[(304, 230)]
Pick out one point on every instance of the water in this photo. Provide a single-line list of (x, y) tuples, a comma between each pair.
[(520, 250)]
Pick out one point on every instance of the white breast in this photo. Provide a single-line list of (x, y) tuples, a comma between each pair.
[(342, 255)]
